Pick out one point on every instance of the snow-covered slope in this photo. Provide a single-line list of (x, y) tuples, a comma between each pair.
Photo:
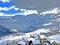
[(26, 35), (21, 37), (55, 38)]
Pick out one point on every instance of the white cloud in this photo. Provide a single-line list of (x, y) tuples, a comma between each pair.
[(27, 12), (23, 11), (3, 14), (16, 8), (7, 9), (47, 24), (30, 12), (58, 19), (53, 11), (5, 0)]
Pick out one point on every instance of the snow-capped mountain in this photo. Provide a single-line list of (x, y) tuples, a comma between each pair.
[(30, 22)]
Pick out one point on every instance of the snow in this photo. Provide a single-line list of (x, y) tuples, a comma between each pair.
[(14, 21), (22, 42), (30, 39), (43, 36), (11, 38), (3, 43), (42, 30), (36, 42), (38, 31), (27, 37), (14, 30), (47, 24), (55, 38)]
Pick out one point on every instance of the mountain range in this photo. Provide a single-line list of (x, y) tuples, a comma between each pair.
[(30, 22)]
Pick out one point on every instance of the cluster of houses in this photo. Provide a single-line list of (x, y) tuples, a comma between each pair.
[(32, 39)]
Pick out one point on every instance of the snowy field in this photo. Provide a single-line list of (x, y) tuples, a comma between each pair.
[(32, 36)]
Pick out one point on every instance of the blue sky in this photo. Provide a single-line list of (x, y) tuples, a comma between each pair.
[(8, 8), (6, 4), (26, 7)]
